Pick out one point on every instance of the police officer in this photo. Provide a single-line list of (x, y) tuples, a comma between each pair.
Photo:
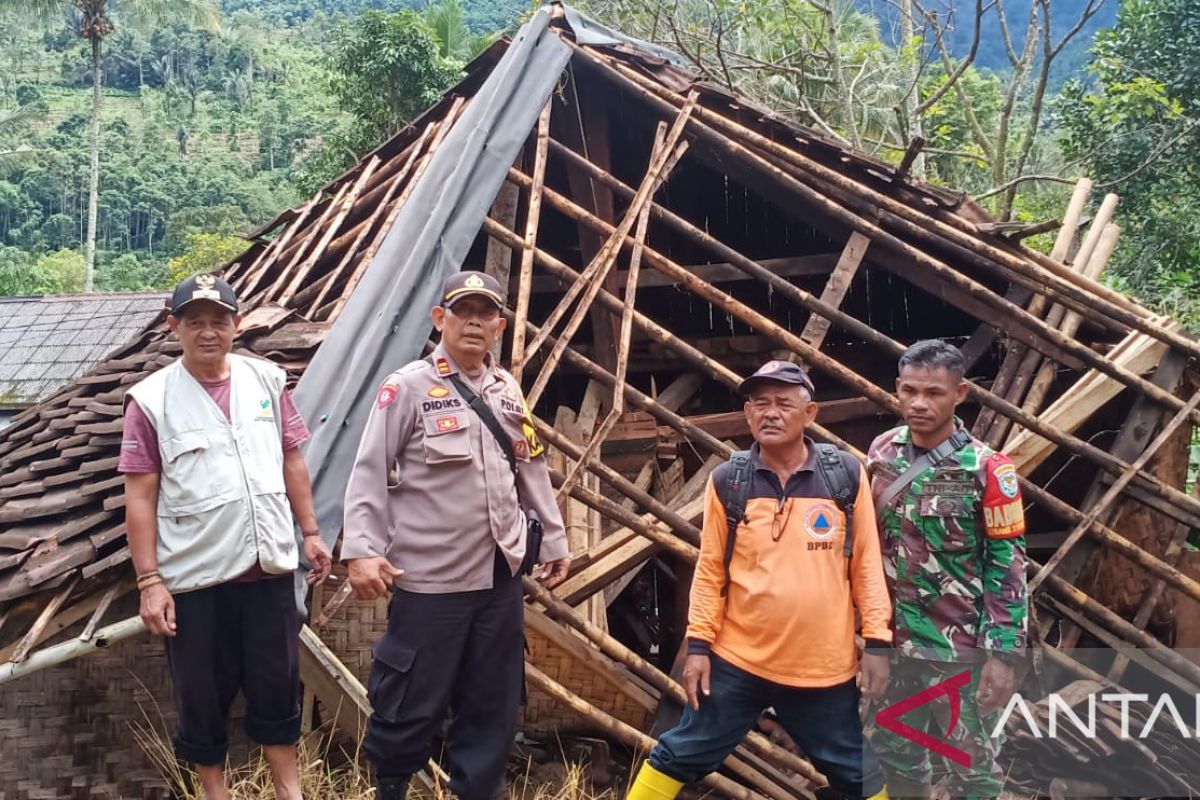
[(434, 512), (779, 583), (953, 526)]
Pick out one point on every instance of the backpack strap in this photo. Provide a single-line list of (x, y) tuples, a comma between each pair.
[(842, 489), (734, 493)]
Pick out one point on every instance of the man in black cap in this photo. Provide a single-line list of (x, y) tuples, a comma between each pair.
[(788, 555), (214, 485), (448, 473)]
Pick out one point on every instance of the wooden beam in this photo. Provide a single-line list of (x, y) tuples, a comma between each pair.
[(836, 287), (732, 424), (533, 218), (721, 272)]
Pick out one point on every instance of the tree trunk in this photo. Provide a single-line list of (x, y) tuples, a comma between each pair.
[(94, 181), (912, 68)]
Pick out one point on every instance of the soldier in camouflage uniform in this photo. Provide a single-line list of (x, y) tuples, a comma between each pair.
[(954, 556)]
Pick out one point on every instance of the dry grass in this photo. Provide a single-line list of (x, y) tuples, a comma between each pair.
[(346, 778)]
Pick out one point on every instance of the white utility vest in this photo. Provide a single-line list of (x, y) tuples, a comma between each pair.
[(222, 505)]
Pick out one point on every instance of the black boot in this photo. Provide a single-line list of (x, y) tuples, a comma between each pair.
[(391, 788)]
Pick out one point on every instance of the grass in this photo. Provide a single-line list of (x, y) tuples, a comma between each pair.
[(325, 774)]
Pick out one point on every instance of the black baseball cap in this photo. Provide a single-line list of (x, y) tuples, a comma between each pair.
[(781, 372), (203, 287), (462, 284)]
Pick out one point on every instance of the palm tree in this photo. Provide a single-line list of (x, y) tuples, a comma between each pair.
[(10, 123), (447, 22), (95, 20)]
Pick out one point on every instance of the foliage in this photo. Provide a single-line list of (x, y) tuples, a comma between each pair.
[(386, 69), (205, 253), (1136, 128)]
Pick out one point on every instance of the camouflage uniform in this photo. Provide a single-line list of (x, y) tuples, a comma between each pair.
[(954, 557)]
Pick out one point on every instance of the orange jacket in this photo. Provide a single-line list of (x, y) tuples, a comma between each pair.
[(789, 616)]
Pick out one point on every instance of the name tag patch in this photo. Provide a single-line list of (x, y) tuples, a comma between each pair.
[(437, 406), (955, 488)]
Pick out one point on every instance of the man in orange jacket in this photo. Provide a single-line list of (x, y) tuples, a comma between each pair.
[(772, 618)]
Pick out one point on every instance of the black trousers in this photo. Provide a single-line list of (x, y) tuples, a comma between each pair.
[(461, 652), (231, 637)]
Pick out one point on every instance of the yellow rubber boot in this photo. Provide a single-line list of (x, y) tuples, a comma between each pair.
[(653, 785), (882, 795)]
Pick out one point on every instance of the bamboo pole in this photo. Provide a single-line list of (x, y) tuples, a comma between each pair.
[(632, 737), (35, 631), (361, 231), (1156, 489), (881, 398), (1076, 598), (1003, 383), (1114, 491), (1113, 540), (954, 228), (647, 326), (1070, 320), (682, 527), (626, 330), (1030, 390), (695, 434), (93, 622), (62, 653), (558, 610), (439, 135), (532, 220), (662, 162), (1048, 338), (344, 205), (248, 283), (616, 512), (659, 334)]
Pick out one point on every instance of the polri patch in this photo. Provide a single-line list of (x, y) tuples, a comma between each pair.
[(387, 395)]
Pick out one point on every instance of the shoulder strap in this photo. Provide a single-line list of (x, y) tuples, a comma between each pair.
[(734, 493), (841, 488), (485, 415), (958, 440)]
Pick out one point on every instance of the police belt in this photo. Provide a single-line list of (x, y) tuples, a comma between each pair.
[(930, 458), (533, 523)]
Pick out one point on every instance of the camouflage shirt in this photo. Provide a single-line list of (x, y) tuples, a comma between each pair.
[(953, 550)]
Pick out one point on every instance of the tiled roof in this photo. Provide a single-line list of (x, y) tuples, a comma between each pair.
[(47, 341)]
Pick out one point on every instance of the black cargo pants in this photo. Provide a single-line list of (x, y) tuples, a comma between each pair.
[(461, 652)]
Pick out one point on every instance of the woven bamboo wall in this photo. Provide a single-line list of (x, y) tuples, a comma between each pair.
[(562, 655), (66, 732)]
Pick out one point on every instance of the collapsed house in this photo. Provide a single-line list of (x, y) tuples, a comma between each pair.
[(660, 238)]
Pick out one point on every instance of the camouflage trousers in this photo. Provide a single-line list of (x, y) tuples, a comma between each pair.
[(911, 768)]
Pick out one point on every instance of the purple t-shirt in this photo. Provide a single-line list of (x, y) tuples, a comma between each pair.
[(139, 440)]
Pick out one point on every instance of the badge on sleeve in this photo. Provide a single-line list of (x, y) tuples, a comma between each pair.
[(387, 395), (520, 448), (1003, 512)]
